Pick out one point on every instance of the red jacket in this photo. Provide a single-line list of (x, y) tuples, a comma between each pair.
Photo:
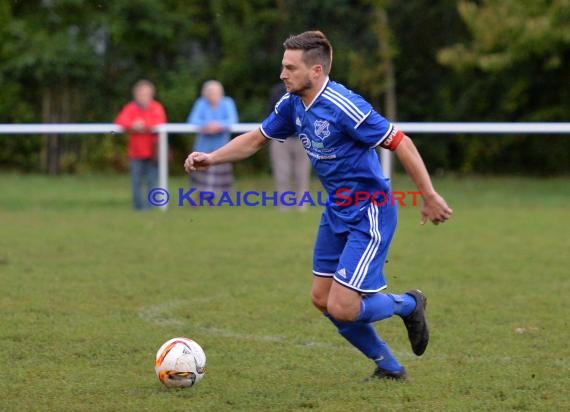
[(142, 145)]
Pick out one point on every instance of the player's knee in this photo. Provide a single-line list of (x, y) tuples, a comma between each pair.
[(343, 312), (319, 300)]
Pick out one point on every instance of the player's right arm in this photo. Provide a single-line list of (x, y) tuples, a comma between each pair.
[(236, 149), (367, 130), (434, 207)]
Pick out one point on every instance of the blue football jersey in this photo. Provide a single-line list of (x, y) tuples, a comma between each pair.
[(339, 131)]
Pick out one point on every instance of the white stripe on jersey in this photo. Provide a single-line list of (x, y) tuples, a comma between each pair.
[(344, 98), (284, 97), (371, 249), (325, 85), (341, 104), (388, 133), (363, 119), (264, 133)]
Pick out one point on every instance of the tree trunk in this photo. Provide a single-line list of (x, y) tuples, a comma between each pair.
[(56, 108), (51, 152), (390, 100)]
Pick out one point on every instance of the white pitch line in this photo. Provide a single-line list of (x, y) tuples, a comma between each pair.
[(159, 315)]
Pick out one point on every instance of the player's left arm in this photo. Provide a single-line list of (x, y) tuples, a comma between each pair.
[(434, 207)]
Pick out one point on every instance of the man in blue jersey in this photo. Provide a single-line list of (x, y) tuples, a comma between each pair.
[(340, 132)]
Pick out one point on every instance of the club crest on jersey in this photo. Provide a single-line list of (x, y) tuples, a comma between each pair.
[(322, 129)]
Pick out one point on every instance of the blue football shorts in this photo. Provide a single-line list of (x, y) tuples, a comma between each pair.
[(354, 253)]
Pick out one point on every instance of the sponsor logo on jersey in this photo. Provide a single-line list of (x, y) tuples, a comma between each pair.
[(298, 121), (305, 140)]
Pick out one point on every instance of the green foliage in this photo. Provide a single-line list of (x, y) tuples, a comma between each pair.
[(76, 60), (519, 47), (509, 32), (50, 41), (21, 153), (242, 28), (369, 62)]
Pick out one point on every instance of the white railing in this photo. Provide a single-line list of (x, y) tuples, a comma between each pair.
[(183, 128)]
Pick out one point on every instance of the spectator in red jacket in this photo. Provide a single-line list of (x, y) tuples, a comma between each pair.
[(138, 119)]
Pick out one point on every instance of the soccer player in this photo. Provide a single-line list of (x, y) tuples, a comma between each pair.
[(339, 131)]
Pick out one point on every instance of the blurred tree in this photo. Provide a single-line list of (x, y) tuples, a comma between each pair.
[(428, 91), (22, 152), (76, 60), (49, 50), (519, 51), (169, 42), (507, 33), (372, 62), (527, 43)]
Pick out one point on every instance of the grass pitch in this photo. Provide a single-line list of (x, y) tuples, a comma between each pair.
[(91, 289)]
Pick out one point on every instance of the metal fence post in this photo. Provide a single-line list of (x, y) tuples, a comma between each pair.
[(163, 161), (386, 160)]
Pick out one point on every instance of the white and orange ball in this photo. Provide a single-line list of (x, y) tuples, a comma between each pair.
[(180, 363)]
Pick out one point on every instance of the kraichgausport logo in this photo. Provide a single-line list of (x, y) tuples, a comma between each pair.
[(342, 197)]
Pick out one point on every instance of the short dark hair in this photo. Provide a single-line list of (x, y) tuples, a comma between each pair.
[(316, 48)]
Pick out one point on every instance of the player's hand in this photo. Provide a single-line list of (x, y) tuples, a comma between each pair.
[(435, 209), (197, 161)]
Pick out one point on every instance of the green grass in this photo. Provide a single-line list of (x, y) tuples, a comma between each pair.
[(90, 290)]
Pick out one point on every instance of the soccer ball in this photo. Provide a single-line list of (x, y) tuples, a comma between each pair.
[(180, 363)]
